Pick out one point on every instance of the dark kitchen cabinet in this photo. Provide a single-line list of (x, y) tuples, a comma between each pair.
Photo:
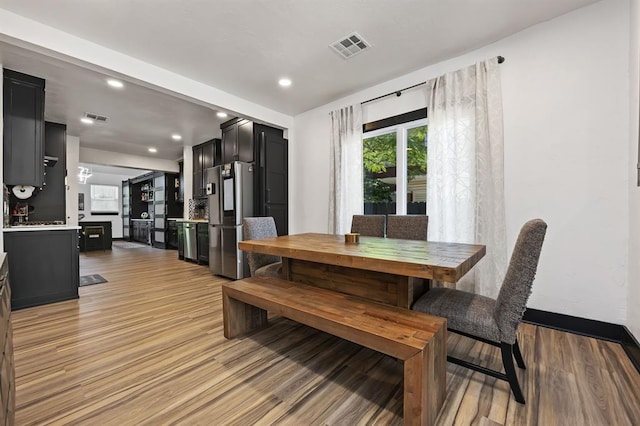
[(165, 205), (202, 230), (237, 141), (126, 210), (23, 134), (205, 155), (180, 230), (272, 194), (181, 182), (49, 203), (148, 201), (137, 202), (7, 367), (266, 147), (142, 231), (44, 266), (172, 235)]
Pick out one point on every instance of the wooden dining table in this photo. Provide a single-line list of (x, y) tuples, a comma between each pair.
[(385, 270)]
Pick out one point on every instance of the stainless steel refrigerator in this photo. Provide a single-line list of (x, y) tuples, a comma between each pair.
[(230, 192)]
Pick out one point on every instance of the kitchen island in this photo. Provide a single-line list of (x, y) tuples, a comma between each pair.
[(43, 264)]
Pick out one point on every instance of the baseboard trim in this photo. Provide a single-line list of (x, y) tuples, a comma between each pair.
[(588, 327)]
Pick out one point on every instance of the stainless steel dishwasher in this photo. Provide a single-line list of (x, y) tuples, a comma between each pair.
[(190, 241)]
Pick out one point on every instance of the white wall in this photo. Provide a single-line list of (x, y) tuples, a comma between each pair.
[(104, 179), (71, 199), (35, 36), (566, 113), (96, 156), (187, 178), (633, 313)]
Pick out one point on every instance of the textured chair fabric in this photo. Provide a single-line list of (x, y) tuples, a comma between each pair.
[(467, 312), (368, 225), (256, 228), (409, 227), (494, 320)]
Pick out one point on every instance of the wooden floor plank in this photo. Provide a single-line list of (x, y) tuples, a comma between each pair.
[(147, 347)]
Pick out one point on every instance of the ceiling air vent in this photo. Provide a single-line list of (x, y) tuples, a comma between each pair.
[(350, 45), (96, 117)]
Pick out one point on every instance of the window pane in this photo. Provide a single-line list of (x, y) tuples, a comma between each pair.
[(379, 160), (104, 199), (417, 170)]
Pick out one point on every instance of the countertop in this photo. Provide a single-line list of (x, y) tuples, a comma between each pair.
[(40, 228), (189, 220)]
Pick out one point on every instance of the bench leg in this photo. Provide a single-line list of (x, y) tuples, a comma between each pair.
[(240, 318), (425, 376)]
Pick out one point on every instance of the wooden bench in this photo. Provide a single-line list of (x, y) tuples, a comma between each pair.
[(418, 339)]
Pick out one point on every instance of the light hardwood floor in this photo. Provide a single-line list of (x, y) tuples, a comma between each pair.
[(147, 348)]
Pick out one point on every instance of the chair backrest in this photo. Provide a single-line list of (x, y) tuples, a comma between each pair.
[(516, 286), (256, 228), (371, 225), (409, 227)]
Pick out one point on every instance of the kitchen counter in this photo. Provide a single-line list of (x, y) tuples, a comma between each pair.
[(44, 264), (189, 220), (20, 228)]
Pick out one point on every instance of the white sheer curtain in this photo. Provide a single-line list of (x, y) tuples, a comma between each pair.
[(465, 168), (346, 197)]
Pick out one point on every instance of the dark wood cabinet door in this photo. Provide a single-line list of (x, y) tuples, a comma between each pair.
[(274, 179), (244, 146), (197, 171), (56, 276), (203, 242), (49, 204), (23, 135), (229, 143), (208, 153)]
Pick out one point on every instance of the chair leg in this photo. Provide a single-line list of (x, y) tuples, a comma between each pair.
[(518, 355), (509, 369)]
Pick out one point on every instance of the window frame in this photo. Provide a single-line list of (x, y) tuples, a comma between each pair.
[(116, 200), (400, 130)]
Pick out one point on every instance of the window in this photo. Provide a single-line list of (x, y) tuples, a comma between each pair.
[(104, 199), (395, 169)]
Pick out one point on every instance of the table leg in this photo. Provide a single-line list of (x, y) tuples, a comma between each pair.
[(240, 318)]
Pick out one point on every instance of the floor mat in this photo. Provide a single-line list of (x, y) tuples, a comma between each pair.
[(92, 279)]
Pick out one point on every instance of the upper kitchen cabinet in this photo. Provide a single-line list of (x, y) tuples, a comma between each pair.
[(49, 203), (271, 193), (267, 149), (237, 141), (23, 140), (205, 155)]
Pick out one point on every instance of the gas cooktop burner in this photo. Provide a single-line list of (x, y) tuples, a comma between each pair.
[(40, 223)]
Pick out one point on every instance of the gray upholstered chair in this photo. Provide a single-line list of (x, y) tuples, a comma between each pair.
[(493, 321), (261, 265), (371, 225), (407, 227)]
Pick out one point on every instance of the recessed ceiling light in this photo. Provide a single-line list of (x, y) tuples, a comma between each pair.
[(86, 120), (176, 137), (222, 114), (115, 83), (284, 82), (153, 150)]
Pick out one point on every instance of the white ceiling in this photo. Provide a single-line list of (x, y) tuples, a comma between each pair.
[(243, 47)]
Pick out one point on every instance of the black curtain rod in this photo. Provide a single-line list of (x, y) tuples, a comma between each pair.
[(399, 92)]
